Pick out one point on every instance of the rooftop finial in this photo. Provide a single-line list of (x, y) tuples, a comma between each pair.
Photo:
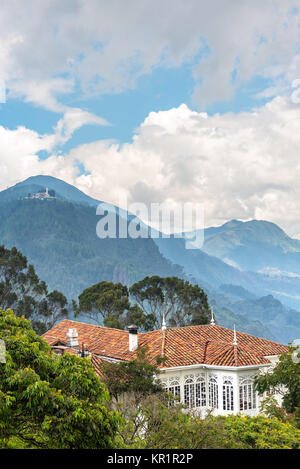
[(234, 336), (212, 321), (164, 324)]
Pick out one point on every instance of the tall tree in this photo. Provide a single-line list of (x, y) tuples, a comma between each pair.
[(135, 377), (46, 401), (178, 300), (22, 290), (105, 303), (285, 380)]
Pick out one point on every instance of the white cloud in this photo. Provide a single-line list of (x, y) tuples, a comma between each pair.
[(106, 46), (242, 165), (238, 165)]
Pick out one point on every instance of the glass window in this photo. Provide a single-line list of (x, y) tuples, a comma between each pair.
[(189, 393), (227, 395), (213, 398), (200, 393), (247, 395), (174, 388)]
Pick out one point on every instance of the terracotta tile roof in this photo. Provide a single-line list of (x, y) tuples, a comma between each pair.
[(97, 363), (191, 345)]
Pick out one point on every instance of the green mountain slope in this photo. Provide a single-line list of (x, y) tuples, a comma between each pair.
[(60, 239), (255, 245)]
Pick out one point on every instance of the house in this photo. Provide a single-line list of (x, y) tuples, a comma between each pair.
[(205, 367)]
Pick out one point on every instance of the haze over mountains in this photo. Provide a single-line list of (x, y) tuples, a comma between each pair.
[(250, 270)]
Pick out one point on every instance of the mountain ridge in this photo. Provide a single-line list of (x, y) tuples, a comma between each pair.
[(59, 238)]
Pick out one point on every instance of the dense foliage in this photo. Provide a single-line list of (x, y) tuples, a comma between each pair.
[(60, 239), (145, 303), (154, 424), (59, 402), (284, 379), (22, 290), (180, 302), (135, 377), (48, 402)]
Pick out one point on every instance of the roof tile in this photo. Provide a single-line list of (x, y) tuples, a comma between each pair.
[(190, 345)]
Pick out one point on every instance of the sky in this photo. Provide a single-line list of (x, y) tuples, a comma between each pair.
[(156, 102)]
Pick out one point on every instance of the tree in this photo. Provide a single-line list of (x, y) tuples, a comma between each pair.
[(178, 300), (105, 299), (48, 401), (157, 425), (285, 380), (134, 377), (22, 290), (52, 308), (108, 303)]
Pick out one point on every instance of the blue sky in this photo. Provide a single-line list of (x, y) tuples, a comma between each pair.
[(160, 90)]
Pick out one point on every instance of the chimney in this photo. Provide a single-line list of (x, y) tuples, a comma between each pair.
[(72, 338), (133, 337)]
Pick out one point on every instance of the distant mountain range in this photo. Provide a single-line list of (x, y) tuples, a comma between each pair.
[(249, 269), (254, 245)]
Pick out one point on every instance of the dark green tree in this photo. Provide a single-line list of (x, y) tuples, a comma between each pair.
[(23, 291), (108, 303), (133, 377), (48, 401), (181, 302), (284, 379)]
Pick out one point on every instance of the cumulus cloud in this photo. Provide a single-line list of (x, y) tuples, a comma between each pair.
[(106, 46), (242, 165), (238, 165)]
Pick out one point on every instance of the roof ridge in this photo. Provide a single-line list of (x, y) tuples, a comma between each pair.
[(89, 324), (194, 326), (228, 346)]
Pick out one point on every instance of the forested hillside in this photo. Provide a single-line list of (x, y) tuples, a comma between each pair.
[(60, 239)]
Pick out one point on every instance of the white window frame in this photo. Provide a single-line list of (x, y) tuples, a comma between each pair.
[(228, 394), (200, 392), (247, 394), (213, 392)]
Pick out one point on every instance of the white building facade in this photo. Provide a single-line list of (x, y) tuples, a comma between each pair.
[(217, 390), (208, 368)]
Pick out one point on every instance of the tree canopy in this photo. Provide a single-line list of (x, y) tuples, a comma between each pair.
[(48, 401), (180, 302), (23, 291), (285, 380), (136, 376), (105, 303), (145, 303)]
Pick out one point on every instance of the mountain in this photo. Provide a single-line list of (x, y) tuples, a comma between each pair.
[(256, 245), (280, 321), (35, 184), (59, 237)]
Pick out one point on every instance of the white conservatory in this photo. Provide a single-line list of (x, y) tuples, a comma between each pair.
[(208, 368)]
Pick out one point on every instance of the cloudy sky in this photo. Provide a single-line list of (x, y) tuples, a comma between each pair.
[(174, 101)]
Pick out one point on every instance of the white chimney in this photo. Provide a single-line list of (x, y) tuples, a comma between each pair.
[(133, 337), (72, 336)]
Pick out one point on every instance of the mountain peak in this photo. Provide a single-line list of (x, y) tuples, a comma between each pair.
[(34, 184)]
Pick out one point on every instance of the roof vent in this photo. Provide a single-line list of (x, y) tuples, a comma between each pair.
[(133, 337), (72, 338)]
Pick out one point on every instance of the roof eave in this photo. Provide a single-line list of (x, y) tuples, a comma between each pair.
[(218, 367)]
